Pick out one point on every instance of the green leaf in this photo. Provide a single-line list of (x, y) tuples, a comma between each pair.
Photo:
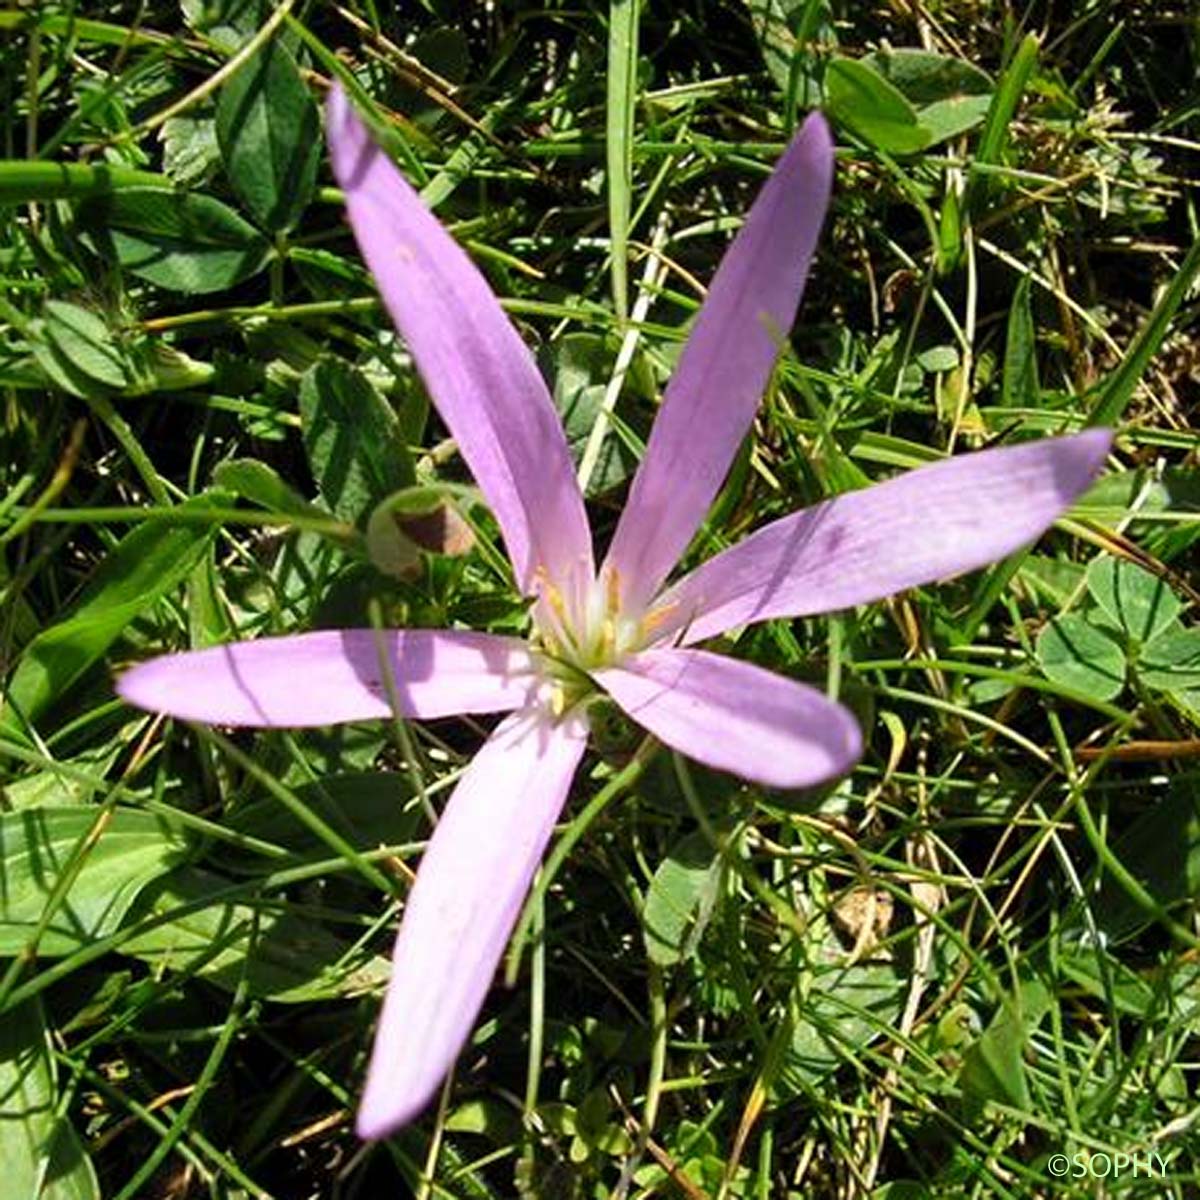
[(785, 30), (1139, 603), (269, 132), (1019, 385), (902, 1189), (1082, 656), (190, 151), (181, 241), (283, 953), (255, 481), (1052, 578), (37, 845), (1003, 108), (680, 900), (622, 88), (368, 808), (950, 236), (861, 99), (85, 341), (582, 366), (74, 781), (62, 373), (925, 77), (489, 1117), (1161, 851), (950, 95), (845, 1008), (994, 1066), (1171, 662), (42, 1154), (236, 19), (144, 566), (950, 118), (938, 359), (354, 441)]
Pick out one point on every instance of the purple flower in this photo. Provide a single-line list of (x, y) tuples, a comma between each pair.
[(616, 631)]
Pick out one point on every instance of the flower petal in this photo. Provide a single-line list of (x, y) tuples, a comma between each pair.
[(735, 716), (335, 675), (927, 524), (716, 388), (470, 887), (479, 372)]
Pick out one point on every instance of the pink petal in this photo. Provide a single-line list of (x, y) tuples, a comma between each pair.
[(712, 398), (470, 887), (335, 675), (736, 717), (479, 372), (927, 524)]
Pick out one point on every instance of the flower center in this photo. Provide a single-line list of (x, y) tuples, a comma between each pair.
[(589, 630)]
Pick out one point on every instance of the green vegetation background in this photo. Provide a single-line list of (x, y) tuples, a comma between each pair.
[(978, 950)]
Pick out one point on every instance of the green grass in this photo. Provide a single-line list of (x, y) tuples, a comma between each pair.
[(977, 951)]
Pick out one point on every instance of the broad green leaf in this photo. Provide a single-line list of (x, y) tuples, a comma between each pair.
[(1161, 851), (938, 359), (190, 151), (1176, 488), (43, 1156), (1082, 656), (949, 94), (581, 369), (328, 276), (145, 565), (37, 845), (1139, 603), (1019, 385), (368, 808), (926, 77), (270, 136), (1053, 579), (994, 1066), (785, 29), (1171, 662), (241, 17), (846, 1008), (84, 339), (182, 241), (861, 99), (486, 1115), (902, 1189), (75, 781), (949, 118), (680, 900), (354, 442), (61, 372), (284, 954), (255, 481)]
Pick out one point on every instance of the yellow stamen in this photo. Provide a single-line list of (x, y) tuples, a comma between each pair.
[(658, 616), (613, 583), (609, 638)]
